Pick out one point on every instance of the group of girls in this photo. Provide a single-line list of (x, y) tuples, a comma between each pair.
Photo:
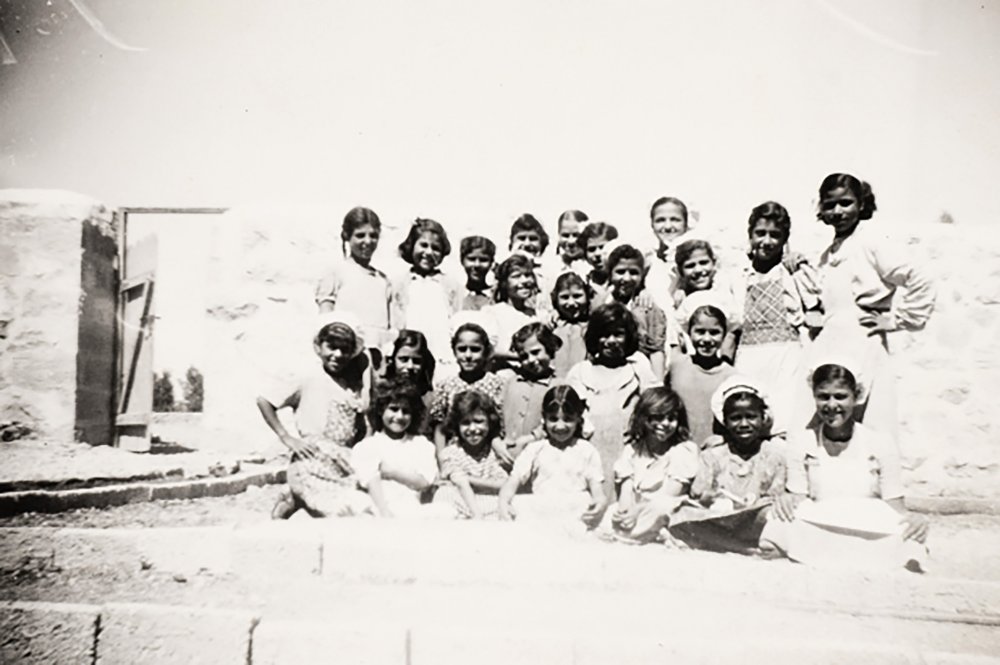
[(651, 395)]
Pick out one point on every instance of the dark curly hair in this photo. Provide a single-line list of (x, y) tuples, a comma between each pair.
[(624, 253), (386, 392), (514, 263), (546, 337), (607, 318), (862, 191), (413, 339), (568, 279), (477, 329), (468, 402), (418, 227), (657, 402), (565, 399), (771, 211), (471, 244), (527, 222)]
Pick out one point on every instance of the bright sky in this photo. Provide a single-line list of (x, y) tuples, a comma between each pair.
[(474, 112)]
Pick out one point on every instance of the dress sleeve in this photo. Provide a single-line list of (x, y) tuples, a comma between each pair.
[(365, 459), (524, 465), (656, 329), (623, 465), (913, 301), (398, 301), (807, 284), (425, 461), (328, 287), (703, 482), (449, 462), (683, 462), (797, 480)]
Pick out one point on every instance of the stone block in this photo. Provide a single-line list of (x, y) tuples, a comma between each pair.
[(294, 549), (139, 633), (295, 642), (46, 633), (58, 295)]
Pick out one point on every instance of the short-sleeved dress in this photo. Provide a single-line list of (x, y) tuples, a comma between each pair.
[(364, 291), (414, 453), (573, 349), (490, 384), (426, 303), (730, 495), (649, 475), (695, 385), (558, 479), (457, 459)]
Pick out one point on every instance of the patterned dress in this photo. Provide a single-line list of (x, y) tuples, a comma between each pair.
[(491, 385), (457, 459)]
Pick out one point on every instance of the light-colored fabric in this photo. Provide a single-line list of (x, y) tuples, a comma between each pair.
[(695, 386), (573, 349), (364, 292), (558, 471), (508, 321), (720, 296), (415, 453), (869, 466), (522, 404), (326, 412), (426, 303), (650, 472), (798, 291), (652, 325), (779, 368), (722, 473), (474, 301)]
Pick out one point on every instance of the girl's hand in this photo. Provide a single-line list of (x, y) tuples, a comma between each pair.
[(506, 513), (502, 452), (624, 519), (643, 299), (915, 527), (784, 506), (300, 447), (878, 324), (592, 515), (793, 261)]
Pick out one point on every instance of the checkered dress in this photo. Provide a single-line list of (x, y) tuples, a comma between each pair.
[(765, 317)]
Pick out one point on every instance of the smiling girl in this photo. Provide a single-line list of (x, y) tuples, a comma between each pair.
[(626, 269), (699, 284), (571, 299)]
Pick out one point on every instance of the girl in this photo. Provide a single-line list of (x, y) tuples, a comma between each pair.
[(738, 476), (472, 470), (355, 285), (395, 465), (411, 360), (424, 298), (473, 350), (775, 302), (668, 218), (845, 489), (592, 241), (571, 299), (869, 289), (568, 251), (699, 285), (564, 470), (477, 254), (535, 346), (655, 468), (696, 377), (626, 269), (528, 237), (329, 408), (611, 379), (515, 299)]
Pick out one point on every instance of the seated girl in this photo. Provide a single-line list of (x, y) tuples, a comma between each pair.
[(739, 475), (655, 469), (470, 471), (395, 465), (845, 489), (564, 470)]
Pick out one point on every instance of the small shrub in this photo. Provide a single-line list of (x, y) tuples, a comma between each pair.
[(163, 393), (194, 390)]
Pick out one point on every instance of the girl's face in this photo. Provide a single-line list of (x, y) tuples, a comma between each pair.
[(595, 252), (408, 361), (625, 278), (661, 428), (698, 270), (428, 251), (526, 242), (611, 346), (744, 422), (569, 231), (474, 428), (835, 402), (396, 418), (334, 355), (561, 427), (470, 352), (767, 241), (706, 334), (571, 303), (840, 209), (363, 242), (520, 286), (477, 264), (668, 222), (535, 359)]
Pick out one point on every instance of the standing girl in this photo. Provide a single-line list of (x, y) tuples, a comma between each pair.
[(696, 377), (845, 488), (626, 274), (515, 294), (472, 349), (568, 252), (700, 285), (564, 470), (571, 299), (395, 465), (611, 379), (775, 302), (592, 241), (655, 468), (471, 470), (668, 217), (869, 289), (424, 298), (329, 407), (355, 285)]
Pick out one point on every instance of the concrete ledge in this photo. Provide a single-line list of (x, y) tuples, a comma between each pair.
[(953, 505), (141, 633), (55, 501), (46, 633)]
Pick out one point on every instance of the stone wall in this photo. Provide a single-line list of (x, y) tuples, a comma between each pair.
[(58, 294)]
